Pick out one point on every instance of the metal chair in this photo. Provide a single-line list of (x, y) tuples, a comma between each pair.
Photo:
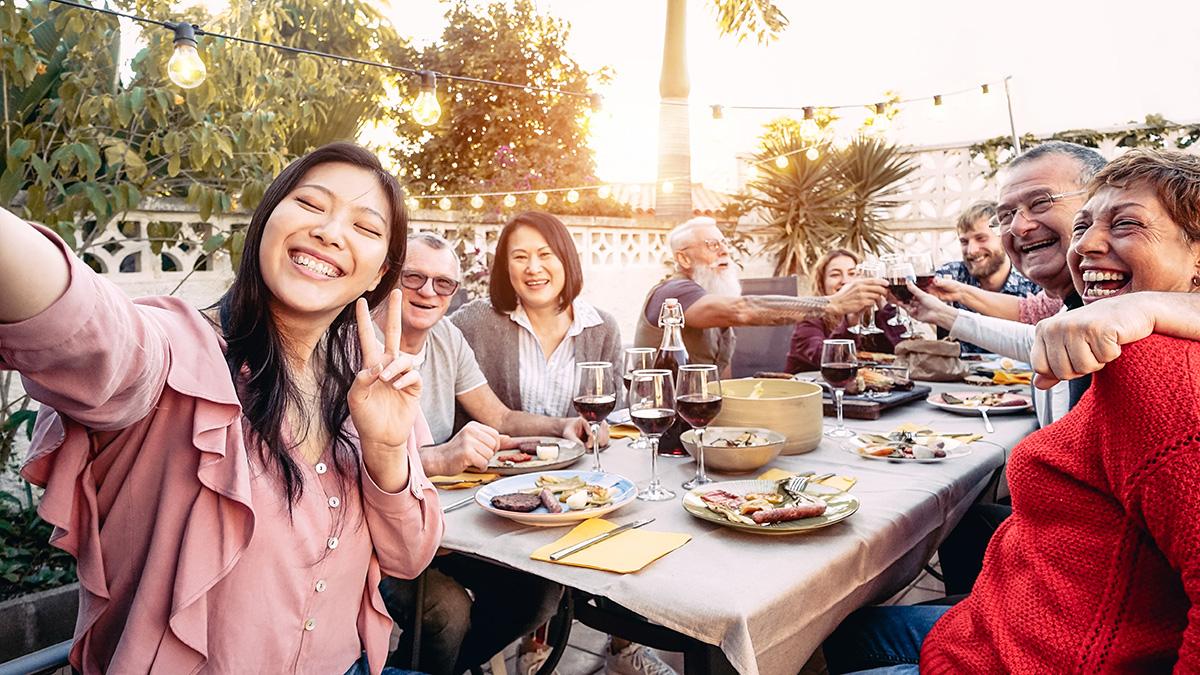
[(763, 348)]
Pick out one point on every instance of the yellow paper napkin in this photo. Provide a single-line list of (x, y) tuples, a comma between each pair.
[(1006, 378), (842, 483), (627, 552), (616, 431), (462, 480)]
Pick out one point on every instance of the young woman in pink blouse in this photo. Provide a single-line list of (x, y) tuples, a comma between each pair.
[(233, 482)]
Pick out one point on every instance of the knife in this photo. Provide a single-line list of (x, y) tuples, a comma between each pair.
[(576, 548), (457, 505)]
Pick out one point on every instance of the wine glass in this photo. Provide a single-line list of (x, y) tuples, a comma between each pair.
[(898, 276), (923, 270), (652, 407), (839, 367), (698, 400), (636, 358), (869, 270), (595, 398)]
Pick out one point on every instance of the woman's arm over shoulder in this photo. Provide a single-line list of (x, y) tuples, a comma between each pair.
[(406, 526), (91, 354), (33, 273)]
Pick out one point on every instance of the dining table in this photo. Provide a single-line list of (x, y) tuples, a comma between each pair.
[(764, 604)]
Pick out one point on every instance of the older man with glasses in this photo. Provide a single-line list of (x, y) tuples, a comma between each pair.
[(462, 630), (707, 287)]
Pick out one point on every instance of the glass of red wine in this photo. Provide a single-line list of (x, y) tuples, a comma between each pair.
[(922, 269), (698, 400), (595, 398), (636, 358), (899, 273), (839, 367), (652, 407)]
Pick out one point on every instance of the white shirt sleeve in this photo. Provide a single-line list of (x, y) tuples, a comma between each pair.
[(1006, 338)]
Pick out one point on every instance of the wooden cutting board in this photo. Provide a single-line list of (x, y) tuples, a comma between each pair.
[(863, 408)]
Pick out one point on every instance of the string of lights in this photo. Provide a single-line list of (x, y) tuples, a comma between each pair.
[(187, 70)]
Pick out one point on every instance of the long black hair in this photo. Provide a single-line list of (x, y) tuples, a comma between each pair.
[(255, 354)]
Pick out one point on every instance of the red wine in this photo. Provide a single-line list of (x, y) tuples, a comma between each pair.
[(595, 407), (924, 281), (838, 375), (670, 359), (698, 410), (899, 288), (628, 383), (653, 421)]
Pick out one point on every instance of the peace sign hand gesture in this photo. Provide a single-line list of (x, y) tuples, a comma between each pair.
[(385, 397)]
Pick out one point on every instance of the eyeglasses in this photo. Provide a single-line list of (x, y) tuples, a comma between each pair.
[(415, 281), (714, 245), (1034, 205)]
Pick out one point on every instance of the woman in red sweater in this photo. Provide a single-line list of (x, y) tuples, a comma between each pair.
[(1098, 568)]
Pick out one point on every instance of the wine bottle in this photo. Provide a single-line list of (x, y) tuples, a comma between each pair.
[(671, 354)]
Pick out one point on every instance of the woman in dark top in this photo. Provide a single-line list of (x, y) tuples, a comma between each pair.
[(833, 271)]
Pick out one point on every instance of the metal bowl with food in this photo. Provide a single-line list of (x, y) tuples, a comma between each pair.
[(736, 449)]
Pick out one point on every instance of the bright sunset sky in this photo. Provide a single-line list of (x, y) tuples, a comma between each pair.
[(1075, 64)]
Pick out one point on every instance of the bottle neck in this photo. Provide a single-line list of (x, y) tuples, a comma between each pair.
[(672, 336)]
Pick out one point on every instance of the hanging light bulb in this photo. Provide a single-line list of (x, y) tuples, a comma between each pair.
[(444, 203), (841, 142), (477, 202), (812, 154), (781, 162), (718, 112), (572, 196), (668, 187), (939, 108), (985, 89), (412, 203), (185, 68), (509, 201), (425, 108), (603, 192), (809, 129), (541, 199)]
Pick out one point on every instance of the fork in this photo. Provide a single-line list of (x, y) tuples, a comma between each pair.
[(796, 485)]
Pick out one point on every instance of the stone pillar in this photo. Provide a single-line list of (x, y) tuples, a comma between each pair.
[(674, 139)]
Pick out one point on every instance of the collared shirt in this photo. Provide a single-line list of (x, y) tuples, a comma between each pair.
[(547, 384), (1015, 284)]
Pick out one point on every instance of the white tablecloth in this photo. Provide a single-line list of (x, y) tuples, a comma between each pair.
[(768, 602)]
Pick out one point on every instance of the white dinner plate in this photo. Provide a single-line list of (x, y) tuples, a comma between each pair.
[(626, 492), (935, 399), (569, 452), (954, 449)]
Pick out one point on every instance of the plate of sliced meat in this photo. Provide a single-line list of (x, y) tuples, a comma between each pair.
[(763, 507), (552, 498), (535, 453)]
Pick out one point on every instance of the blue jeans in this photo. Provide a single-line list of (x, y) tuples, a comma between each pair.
[(361, 667), (881, 640)]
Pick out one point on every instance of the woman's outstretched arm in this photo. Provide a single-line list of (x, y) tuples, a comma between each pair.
[(33, 273)]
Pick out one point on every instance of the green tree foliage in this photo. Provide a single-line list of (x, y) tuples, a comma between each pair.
[(758, 19), (838, 199), (81, 146), (493, 139)]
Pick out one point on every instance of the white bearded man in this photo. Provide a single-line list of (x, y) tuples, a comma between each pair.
[(708, 290)]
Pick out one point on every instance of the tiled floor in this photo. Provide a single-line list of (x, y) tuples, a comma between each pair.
[(585, 649)]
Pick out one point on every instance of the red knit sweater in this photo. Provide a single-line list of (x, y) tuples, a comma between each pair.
[(1098, 569)]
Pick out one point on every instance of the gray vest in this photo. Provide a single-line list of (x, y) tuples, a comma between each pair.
[(710, 345)]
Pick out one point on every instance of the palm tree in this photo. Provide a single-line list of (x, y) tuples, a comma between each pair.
[(839, 199)]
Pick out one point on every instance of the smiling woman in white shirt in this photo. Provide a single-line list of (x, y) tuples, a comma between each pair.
[(533, 327)]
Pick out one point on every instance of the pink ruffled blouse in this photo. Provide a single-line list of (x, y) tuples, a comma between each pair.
[(188, 560)]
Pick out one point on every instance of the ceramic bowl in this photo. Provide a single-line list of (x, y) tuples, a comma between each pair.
[(735, 460), (789, 407)]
